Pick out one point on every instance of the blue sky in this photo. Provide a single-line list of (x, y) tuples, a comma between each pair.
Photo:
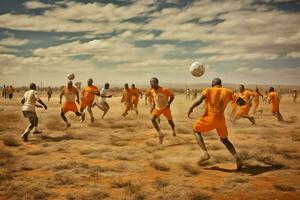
[(250, 42)]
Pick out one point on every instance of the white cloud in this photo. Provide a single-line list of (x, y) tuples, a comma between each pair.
[(37, 5), (12, 41)]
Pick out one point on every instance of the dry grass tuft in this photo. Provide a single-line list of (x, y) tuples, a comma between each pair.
[(159, 165), (92, 195), (54, 123), (36, 152), (284, 188), (193, 170), (160, 183), (198, 195), (10, 140)]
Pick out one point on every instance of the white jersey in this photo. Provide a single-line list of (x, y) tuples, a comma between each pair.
[(103, 92), (30, 98)]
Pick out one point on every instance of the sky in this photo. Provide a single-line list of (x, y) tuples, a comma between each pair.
[(249, 42)]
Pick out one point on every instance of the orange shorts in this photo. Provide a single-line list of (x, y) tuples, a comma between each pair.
[(243, 110), (210, 122), (135, 101), (85, 103), (275, 108), (69, 106), (166, 112)]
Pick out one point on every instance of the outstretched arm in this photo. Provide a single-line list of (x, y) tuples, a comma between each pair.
[(41, 102), (60, 96), (197, 103), (170, 101)]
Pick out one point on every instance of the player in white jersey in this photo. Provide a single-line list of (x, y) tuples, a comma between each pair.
[(29, 103), (102, 104)]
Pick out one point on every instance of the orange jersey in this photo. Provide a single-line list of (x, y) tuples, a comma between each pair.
[(10, 90), (88, 93), (216, 99), (149, 95), (127, 95), (256, 96), (246, 95), (274, 99), (135, 93), (70, 94), (161, 97)]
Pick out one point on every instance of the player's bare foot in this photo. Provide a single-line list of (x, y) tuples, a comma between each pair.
[(239, 164), (204, 158), (174, 133), (161, 138), (68, 125), (92, 119), (37, 132), (252, 120)]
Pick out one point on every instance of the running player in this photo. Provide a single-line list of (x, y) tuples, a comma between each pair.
[(256, 96), (295, 95), (274, 99), (127, 99), (243, 110), (29, 103), (49, 93), (162, 102), (10, 91), (103, 105), (136, 93), (216, 99), (87, 99), (69, 93)]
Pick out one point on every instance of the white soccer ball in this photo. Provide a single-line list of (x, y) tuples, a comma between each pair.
[(71, 76), (197, 69)]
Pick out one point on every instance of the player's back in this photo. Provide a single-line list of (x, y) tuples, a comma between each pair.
[(217, 98)]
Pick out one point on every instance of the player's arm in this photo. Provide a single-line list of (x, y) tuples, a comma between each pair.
[(23, 100), (171, 99), (60, 96), (42, 103), (96, 93), (197, 103), (77, 96), (141, 94), (152, 108)]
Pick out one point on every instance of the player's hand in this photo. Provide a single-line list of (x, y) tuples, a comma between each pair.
[(59, 102), (168, 105), (78, 101)]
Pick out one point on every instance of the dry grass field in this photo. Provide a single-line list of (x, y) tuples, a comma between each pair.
[(120, 158)]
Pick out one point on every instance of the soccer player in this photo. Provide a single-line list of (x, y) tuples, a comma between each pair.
[(29, 103), (216, 99), (163, 99), (256, 96), (87, 99), (103, 105), (69, 92), (243, 110), (295, 95), (136, 93), (49, 93), (4, 91), (10, 91), (274, 99), (127, 99)]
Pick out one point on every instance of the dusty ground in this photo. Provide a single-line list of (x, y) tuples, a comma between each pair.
[(119, 158)]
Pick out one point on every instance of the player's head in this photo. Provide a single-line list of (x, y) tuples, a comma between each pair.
[(70, 84), (271, 89), (32, 86), (106, 86), (133, 86), (90, 82), (242, 88), (154, 82), (216, 81), (126, 86)]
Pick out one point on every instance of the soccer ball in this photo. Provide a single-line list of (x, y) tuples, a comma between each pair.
[(197, 69), (71, 76)]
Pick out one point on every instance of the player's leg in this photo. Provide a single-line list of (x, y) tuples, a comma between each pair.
[(231, 149), (89, 109), (155, 124), (63, 116), (205, 156), (105, 109), (167, 113), (32, 122)]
